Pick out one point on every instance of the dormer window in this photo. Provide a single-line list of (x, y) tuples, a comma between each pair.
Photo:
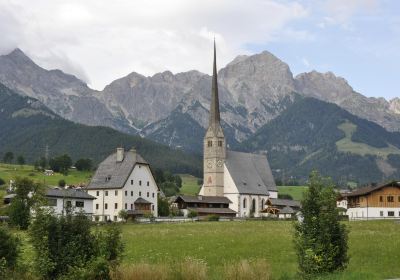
[(209, 143), (108, 178)]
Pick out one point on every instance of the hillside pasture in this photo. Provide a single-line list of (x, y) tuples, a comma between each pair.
[(189, 184), (296, 192)]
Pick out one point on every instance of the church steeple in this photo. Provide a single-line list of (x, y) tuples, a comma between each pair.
[(214, 107), (214, 144)]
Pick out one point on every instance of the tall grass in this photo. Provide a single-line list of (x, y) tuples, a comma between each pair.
[(247, 270)]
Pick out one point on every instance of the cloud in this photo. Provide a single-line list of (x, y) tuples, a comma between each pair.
[(109, 40)]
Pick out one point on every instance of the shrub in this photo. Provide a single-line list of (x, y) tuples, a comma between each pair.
[(212, 218), (163, 207), (84, 164), (2, 182), (320, 240), (9, 250), (62, 183), (192, 214)]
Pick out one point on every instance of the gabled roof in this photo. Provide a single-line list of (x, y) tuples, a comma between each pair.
[(369, 189), (208, 210), (112, 174), (203, 199), (68, 193), (250, 172), (286, 210), (141, 200), (283, 202)]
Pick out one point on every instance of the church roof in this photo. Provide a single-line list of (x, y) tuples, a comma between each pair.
[(284, 202), (250, 172), (112, 174)]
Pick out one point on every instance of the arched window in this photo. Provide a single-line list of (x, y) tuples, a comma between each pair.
[(262, 204), (244, 202), (253, 206)]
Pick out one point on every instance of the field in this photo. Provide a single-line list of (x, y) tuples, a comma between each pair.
[(8, 171), (374, 246), (295, 191), (347, 145), (189, 184)]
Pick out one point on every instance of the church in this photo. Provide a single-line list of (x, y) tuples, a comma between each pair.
[(244, 179)]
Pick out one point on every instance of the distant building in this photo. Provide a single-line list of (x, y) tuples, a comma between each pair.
[(205, 205), (282, 208), (123, 181), (245, 179), (373, 202), (72, 201)]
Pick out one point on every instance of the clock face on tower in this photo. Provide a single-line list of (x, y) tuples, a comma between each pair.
[(209, 163), (219, 163)]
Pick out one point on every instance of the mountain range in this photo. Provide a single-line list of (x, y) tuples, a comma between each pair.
[(172, 109)]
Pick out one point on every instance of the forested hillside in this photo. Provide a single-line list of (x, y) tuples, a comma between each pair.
[(312, 134), (27, 127)]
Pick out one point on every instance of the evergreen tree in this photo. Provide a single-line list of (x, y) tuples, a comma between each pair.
[(8, 157), (320, 239), (84, 164), (20, 160)]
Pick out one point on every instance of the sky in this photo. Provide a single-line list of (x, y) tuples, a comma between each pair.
[(100, 41)]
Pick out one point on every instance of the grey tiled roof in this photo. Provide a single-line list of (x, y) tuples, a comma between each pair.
[(213, 210), (141, 200), (250, 172), (286, 210), (117, 172), (203, 199), (68, 193), (284, 202)]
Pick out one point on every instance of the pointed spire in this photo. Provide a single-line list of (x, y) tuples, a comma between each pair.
[(214, 107)]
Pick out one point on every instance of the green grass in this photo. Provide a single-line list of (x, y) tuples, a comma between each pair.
[(347, 145), (295, 191), (10, 171), (374, 246), (189, 184)]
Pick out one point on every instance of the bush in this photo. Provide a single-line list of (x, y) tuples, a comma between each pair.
[(163, 207), (84, 164), (62, 183), (192, 214), (9, 250), (2, 182), (212, 218), (320, 240)]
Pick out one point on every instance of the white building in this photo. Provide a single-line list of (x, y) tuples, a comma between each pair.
[(123, 181), (69, 200)]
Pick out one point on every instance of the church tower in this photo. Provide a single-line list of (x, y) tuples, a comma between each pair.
[(214, 144)]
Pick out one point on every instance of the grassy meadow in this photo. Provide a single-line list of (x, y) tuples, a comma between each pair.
[(295, 191), (11, 171), (189, 184), (374, 246)]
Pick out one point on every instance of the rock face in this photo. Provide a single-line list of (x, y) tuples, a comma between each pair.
[(253, 91), (328, 87)]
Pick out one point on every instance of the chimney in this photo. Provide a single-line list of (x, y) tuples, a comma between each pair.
[(120, 154), (133, 151)]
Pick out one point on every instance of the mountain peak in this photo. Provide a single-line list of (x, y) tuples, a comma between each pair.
[(18, 55)]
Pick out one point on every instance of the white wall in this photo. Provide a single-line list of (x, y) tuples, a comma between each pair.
[(62, 204), (141, 173), (363, 213)]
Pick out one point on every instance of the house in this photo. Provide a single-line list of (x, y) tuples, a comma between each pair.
[(374, 202), (123, 181), (282, 208), (69, 200), (63, 201), (205, 205), (243, 178)]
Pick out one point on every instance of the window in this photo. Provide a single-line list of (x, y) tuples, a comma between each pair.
[(116, 193), (148, 194), (209, 143), (79, 204), (131, 206), (381, 199), (148, 183), (219, 143), (97, 193), (97, 206), (108, 178), (126, 205), (140, 182), (132, 182), (131, 193), (105, 206), (115, 205), (51, 202), (140, 193), (152, 195), (126, 193), (244, 203), (115, 218), (381, 213), (390, 213), (69, 203), (106, 194), (152, 207), (390, 198), (398, 198)]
